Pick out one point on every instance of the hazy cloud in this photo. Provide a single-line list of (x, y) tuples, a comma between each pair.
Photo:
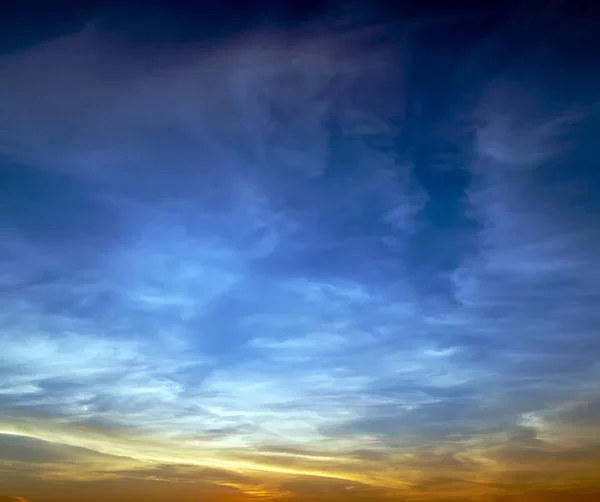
[(259, 267)]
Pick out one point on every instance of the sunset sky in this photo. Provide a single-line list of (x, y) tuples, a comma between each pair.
[(300, 252)]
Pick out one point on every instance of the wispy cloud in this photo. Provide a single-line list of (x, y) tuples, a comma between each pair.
[(216, 272)]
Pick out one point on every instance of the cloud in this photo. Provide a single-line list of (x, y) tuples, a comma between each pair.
[(228, 267), (25, 449)]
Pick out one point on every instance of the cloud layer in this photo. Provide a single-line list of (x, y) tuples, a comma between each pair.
[(255, 268)]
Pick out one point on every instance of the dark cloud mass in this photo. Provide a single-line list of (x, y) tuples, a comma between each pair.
[(343, 251)]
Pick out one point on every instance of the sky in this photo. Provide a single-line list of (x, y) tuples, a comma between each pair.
[(298, 252)]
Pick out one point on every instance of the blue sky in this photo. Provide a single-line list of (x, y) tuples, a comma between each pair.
[(295, 256)]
